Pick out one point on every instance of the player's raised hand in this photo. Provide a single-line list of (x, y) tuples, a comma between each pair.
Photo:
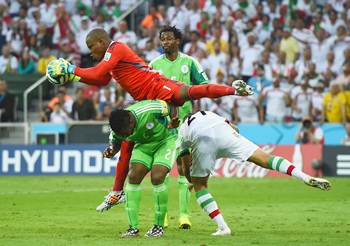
[(242, 89), (109, 152)]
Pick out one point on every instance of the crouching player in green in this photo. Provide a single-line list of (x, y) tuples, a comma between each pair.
[(147, 124)]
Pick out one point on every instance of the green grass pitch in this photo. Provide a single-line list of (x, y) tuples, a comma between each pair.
[(276, 211)]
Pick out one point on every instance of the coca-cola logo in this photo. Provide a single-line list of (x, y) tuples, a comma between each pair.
[(232, 168)]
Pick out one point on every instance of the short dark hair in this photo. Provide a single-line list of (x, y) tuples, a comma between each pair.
[(119, 119), (177, 33)]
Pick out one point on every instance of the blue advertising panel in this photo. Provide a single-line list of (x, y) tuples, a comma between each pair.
[(82, 159)]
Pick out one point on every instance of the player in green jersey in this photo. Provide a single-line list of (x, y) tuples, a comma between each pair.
[(178, 66), (147, 124)]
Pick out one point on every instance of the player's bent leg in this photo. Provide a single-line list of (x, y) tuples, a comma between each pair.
[(133, 197), (160, 191), (209, 205), (282, 165), (184, 197)]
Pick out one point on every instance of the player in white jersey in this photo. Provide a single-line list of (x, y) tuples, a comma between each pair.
[(210, 137)]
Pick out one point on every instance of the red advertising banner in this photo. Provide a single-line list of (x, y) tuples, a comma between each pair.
[(300, 155)]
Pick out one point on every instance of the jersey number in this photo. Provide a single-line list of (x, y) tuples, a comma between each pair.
[(192, 118)]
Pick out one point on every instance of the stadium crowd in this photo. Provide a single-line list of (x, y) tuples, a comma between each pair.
[(295, 53)]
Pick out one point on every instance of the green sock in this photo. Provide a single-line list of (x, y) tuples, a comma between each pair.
[(133, 198), (160, 203), (184, 195)]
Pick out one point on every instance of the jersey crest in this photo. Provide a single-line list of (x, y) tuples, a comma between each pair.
[(107, 56), (184, 68)]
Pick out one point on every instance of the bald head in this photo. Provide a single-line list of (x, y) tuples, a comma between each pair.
[(97, 34), (98, 41)]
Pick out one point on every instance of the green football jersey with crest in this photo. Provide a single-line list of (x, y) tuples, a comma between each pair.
[(152, 119), (185, 69)]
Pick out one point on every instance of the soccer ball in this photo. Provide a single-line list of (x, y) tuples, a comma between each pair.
[(57, 80)]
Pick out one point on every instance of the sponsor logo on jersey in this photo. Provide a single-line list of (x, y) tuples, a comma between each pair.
[(107, 56), (149, 125), (184, 68)]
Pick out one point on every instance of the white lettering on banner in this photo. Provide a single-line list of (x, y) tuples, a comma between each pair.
[(7, 161), (71, 154), (232, 168), (88, 156), (31, 159), (109, 164), (52, 167)]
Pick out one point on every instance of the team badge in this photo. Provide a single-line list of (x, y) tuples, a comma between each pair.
[(184, 69), (107, 56), (149, 125)]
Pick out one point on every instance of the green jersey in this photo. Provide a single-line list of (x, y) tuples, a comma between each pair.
[(185, 69), (152, 119)]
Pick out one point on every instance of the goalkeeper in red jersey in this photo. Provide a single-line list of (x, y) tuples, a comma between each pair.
[(119, 62)]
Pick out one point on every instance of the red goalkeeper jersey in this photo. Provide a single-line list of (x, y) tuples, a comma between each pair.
[(127, 68)]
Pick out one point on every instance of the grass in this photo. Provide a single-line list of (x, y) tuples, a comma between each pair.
[(61, 211)]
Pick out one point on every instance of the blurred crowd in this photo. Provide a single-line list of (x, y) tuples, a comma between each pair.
[(295, 53)]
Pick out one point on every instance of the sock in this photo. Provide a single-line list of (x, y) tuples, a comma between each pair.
[(210, 91), (208, 204), (184, 196), (160, 203), (284, 166), (123, 165), (133, 198)]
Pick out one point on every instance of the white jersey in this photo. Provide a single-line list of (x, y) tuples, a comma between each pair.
[(211, 137)]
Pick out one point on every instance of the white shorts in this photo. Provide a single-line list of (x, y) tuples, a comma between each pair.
[(218, 142)]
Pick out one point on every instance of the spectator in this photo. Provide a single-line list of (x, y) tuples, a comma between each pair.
[(309, 134), (344, 78), (59, 114), (44, 60), (217, 61), (302, 64), (289, 45), (86, 60), (48, 16), (317, 101), (62, 26), (83, 108), (246, 109), (150, 52), (191, 48), (8, 62), (63, 99), (332, 22), (194, 15), (217, 39), (259, 82), (301, 101), (250, 56), (329, 66), (106, 112), (276, 101), (334, 104), (234, 61), (346, 140), (154, 18), (7, 104), (26, 65), (124, 35), (177, 15)]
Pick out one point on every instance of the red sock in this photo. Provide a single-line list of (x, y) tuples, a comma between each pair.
[(123, 165), (210, 91)]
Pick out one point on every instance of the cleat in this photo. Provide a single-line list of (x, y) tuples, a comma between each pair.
[(185, 223), (131, 232), (166, 221), (242, 89), (322, 184), (222, 232), (155, 231), (113, 198)]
